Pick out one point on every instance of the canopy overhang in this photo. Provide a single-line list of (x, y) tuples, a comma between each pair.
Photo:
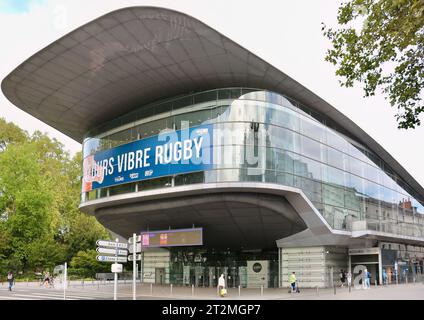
[(134, 56)]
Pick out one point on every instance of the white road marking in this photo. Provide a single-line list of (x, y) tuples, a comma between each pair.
[(60, 295), (32, 296)]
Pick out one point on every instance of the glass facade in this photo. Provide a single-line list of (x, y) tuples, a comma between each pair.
[(402, 263), (202, 267), (262, 136)]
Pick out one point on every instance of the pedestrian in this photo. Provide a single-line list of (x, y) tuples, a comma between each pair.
[(342, 277), (364, 278), (292, 281), (384, 277), (46, 281), (368, 279), (349, 279), (10, 279), (221, 286)]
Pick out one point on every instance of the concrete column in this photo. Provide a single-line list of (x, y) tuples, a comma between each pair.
[(380, 267), (279, 268)]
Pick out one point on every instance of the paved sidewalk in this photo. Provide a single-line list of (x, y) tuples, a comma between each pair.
[(93, 290)]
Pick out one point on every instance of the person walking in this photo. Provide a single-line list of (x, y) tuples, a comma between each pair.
[(10, 279), (384, 277), (367, 279), (292, 281), (342, 277), (364, 278), (221, 286), (349, 279), (46, 281)]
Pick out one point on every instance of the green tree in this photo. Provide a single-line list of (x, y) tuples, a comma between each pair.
[(85, 264), (10, 133), (45, 253), (80, 231), (26, 199), (83, 233), (380, 43), (40, 186)]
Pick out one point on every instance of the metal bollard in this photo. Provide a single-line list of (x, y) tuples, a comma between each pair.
[(334, 286), (350, 287), (375, 283), (171, 289), (82, 284), (239, 290), (406, 279), (98, 285), (151, 289), (262, 290), (192, 290)]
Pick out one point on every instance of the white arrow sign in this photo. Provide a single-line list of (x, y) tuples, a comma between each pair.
[(137, 237), (112, 251), (137, 248), (111, 259), (137, 257), (111, 244)]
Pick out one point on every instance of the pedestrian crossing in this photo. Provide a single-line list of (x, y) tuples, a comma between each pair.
[(25, 294)]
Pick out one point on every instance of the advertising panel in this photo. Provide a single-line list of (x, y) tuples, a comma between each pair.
[(170, 238), (170, 152)]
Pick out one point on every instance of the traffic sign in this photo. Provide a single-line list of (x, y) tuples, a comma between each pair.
[(116, 267), (112, 251), (111, 244), (137, 248), (137, 257), (111, 259), (137, 237)]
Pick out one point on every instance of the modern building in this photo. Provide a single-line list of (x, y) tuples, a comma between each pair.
[(182, 127)]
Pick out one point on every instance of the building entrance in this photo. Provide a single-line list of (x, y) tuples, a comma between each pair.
[(203, 267), (159, 275), (369, 258)]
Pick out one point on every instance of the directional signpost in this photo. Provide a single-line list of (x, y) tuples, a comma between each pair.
[(111, 244), (112, 251), (138, 239), (111, 259), (135, 245), (137, 257), (118, 251)]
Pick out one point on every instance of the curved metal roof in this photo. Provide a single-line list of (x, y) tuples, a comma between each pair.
[(134, 56)]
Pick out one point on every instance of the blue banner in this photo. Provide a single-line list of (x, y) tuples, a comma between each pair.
[(168, 153)]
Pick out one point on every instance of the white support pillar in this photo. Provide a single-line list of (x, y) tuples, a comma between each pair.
[(380, 267), (279, 267), (134, 239)]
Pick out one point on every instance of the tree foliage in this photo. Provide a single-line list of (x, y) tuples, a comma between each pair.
[(85, 264), (40, 223), (10, 133), (380, 43)]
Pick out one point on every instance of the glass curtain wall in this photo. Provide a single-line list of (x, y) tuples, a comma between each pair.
[(262, 136)]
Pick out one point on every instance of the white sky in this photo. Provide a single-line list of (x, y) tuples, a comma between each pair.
[(285, 33)]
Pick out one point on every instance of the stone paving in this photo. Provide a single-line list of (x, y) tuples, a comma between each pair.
[(412, 291)]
